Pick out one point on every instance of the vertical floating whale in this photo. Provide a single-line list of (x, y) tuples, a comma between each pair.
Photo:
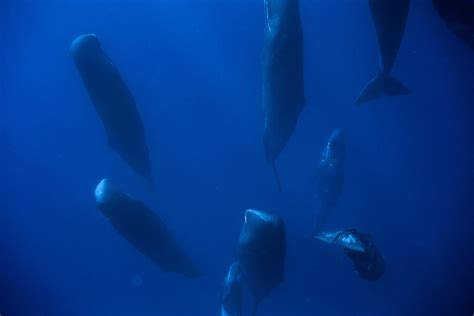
[(261, 253), (283, 76), (113, 102), (142, 228), (329, 178), (389, 17)]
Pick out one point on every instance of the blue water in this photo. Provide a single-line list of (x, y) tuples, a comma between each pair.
[(194, 68)]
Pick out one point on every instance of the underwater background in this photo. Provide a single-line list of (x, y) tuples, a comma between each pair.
[(194, 68)]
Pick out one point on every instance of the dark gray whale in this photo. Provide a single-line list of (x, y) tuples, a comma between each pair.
[(458, 16), (113, 102), (390, 17), (329, 178), (283, 76), (359, 247), (261, 253), (143, 229)]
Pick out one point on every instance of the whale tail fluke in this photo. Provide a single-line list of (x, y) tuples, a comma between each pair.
[(382, 85), (277, 176)]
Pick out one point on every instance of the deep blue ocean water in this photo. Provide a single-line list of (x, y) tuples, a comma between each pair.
[(194, 68)]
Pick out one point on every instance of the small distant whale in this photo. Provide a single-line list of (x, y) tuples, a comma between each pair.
[(113, 102), (143, 229), (367, 259), (459, 18), (390, 17), (261, 253), (232, 296), (329, 178), (283, 76)]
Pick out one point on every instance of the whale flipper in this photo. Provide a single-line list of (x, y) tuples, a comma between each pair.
[(382, 85)]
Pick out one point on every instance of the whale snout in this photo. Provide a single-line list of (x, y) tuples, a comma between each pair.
[(104, 192), (253, 216), (85, 41), (249, 214), (86, 50)]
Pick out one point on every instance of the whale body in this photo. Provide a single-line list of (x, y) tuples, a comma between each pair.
[(458, 15), (329, 178), (143, 229), (114, 103), (359, 248), (261, 253), (283, 76)]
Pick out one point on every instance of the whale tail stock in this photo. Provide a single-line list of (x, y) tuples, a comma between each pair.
[(381, 85), (277, 176)]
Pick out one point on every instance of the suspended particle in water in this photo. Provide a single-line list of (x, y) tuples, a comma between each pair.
[(136, 280)]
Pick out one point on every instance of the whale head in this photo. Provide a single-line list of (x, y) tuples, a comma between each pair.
[(86, 49), (85, 42), (105, 192), (263, 223), (254, 216)]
